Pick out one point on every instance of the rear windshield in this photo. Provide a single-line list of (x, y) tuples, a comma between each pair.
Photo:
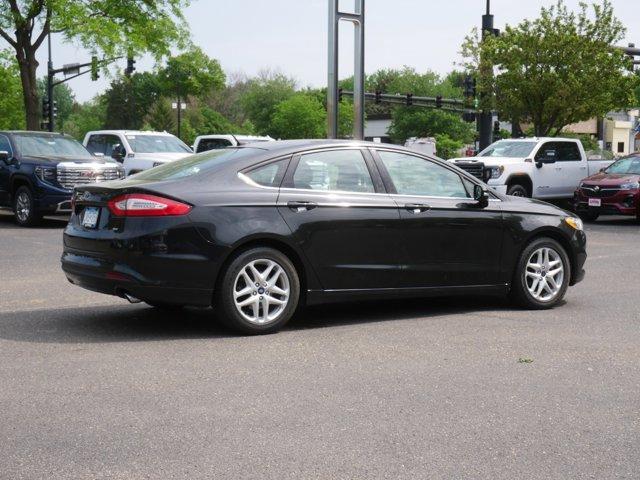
[(157, 144), (625, 166), (508, 149), (45, 145), (195, 164)]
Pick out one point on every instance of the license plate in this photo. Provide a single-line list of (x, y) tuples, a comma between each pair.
[(90, 217), (595, 202)]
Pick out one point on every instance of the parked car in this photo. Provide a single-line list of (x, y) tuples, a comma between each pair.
[(256, 231), (137, 150), (546, 168), (38, 172), (613, 191), (204, 143), (422, 145)]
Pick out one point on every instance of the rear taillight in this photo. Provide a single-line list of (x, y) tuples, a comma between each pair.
[(143, 205)]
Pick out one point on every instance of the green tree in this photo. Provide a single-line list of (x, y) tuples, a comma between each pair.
[(64, 98), (11, 106), (263, 95), (300, 116), (129, 99), (560, 68), (447, 147), (161, 117), (420, 122), (191, 73), (113, 27), (86, 117)]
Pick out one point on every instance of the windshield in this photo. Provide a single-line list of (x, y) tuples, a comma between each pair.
[(195, 164), (625, 166), (157, 144), (45, 145), (508, 149)]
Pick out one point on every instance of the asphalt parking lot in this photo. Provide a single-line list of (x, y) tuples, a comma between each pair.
[(92, 387)]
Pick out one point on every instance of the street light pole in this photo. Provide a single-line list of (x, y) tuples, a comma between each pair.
[(50, 74), (486, 117)]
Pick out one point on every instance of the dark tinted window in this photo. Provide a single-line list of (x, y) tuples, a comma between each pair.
[(568, 152), (417, 176), (109, 142), (207, 144), (548, 150), (196, 164), (339, 170), (268, 175), (5, 146), (96, 144)]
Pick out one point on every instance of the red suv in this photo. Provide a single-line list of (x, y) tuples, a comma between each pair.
[(613, 191)]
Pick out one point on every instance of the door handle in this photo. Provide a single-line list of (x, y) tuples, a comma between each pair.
[(298, 206), (417, 208)]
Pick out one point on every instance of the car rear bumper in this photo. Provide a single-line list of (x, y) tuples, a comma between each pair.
[(112, 278)]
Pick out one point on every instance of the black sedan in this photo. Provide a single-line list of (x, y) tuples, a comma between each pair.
[(258, 231)]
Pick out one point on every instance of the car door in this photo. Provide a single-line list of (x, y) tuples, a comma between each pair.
[(547, 181), (346, 225), (5, 172), (570, 168), (448, 239)]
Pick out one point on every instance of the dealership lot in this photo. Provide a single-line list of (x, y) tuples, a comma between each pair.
[(93, 387)]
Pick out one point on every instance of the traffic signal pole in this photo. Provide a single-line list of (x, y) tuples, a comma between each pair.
[(485, 121), (50, 74)]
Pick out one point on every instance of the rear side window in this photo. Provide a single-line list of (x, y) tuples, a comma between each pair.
[(268, 175), (568, 152), (207, 144), (338, 170)]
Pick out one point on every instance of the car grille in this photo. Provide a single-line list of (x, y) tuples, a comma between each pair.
[(599, 192), (70, 177), (474, 168)]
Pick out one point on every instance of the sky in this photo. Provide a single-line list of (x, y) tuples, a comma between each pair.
[(291, 35)]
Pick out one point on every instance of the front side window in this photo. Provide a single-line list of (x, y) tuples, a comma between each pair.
[(417, 176), (156, 144), (96, 144), (548, 150), (338, 170), (110, 141), (268, 175), (45, 145), (5, 146)]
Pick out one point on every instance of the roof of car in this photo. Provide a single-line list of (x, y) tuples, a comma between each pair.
[(538, 139), (131, 132), (299, 145), (32, 132)]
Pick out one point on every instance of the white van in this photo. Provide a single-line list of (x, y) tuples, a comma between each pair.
[(136, 150), (204, 143)]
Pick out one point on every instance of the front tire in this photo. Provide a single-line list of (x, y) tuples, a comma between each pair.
[(258, 292), (542, 275), (24, 208), (517, 190)]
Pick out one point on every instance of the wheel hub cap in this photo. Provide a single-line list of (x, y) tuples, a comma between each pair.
[(261, 291), (544, 274)]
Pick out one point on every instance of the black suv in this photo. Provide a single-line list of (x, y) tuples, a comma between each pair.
[(39, 170)]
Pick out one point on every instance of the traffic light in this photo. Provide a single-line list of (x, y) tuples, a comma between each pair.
[(439, 101), (469, 86), (409, 99), (339, 95), (55, 109), (95, 75), (496, 129), (45, 109), (469, 117), (378, 96), (130, 66)]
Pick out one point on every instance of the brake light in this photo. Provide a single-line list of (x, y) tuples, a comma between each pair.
[(144, 205)]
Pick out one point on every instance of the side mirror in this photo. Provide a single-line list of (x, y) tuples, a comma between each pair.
[(4, 156), (117, 152), (481, 195)]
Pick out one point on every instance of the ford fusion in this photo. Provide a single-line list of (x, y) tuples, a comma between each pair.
[(257, 231)]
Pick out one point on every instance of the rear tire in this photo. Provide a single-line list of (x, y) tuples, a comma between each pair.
[(517, 190), (258, 292), (24, 208), (542, 275)]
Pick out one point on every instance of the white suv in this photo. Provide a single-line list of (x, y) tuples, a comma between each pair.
[(136, 150)]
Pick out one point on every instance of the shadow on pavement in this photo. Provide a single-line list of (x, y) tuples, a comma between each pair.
[(7, 221), (140, 323)]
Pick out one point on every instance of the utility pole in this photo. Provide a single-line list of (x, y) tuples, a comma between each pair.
[(485, 121), (50, 74)]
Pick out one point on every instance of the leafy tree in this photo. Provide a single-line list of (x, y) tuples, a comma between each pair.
[(86, 117), (447, 147), (161, 117), (228, 100), (263, 95), (560, 68), (129, 99), (11, 107), (113, 27), (300, 116), (191, 73), (419, 122), (64, 98)]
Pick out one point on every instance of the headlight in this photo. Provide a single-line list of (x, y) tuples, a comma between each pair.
[(46, 174), (574, 223), (494, 172), (630, 186)]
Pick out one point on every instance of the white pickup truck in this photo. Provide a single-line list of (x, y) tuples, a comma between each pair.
[(549, 168)]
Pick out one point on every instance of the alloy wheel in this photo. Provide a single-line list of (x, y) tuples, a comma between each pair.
[(544, 274), (261, 291), (23, 206)]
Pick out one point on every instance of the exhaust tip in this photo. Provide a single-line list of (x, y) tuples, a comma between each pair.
[(130, 298)]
